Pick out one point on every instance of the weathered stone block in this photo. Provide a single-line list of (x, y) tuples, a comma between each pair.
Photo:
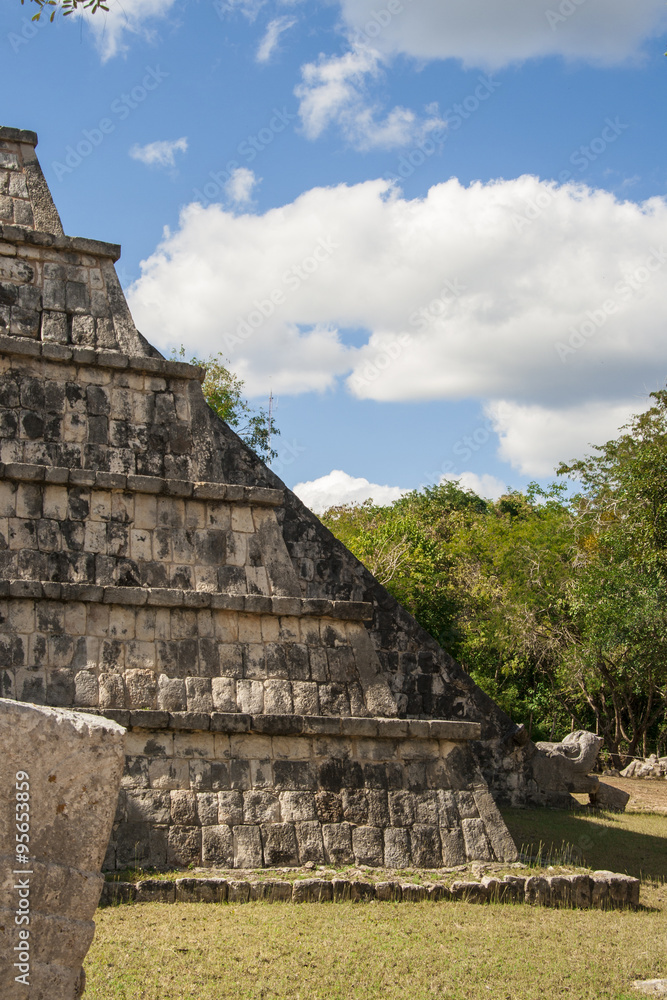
[(425, 846), (297, 807), (67, 768), (184, 846), (247, 847), (310, 842), (368, 845), (260, 807), (147, 806), (217, 846), (397, 847), (279, 844), (476, 843), (338, 843), (230, 808)]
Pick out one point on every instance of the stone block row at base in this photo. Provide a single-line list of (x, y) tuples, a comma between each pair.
[(599, 890)]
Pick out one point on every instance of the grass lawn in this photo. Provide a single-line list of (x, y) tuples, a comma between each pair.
[(404, 951)]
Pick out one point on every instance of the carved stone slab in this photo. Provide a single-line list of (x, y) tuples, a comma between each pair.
[(60, 773)]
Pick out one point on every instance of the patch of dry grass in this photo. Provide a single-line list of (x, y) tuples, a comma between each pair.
[(346, 951), (646, 794), (632, 843)]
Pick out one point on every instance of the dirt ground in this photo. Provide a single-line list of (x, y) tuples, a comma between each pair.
[(646, 794)]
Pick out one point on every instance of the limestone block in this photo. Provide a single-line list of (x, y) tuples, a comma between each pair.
[(311, 890), (217, 846), (260, 807), (453, 847), (425, 845), (378, 807), (397, 847), (230, 808), (469, 892), (153, 890), (271, 891), (147, 806), (171, 694), (560, 891), (199, 696), (66, 767), (361, 892), (261, 773), (338, 843), (605, 796), (247, 847), (250, 696), (581, 891), (411, 893), (499, 836), (368, 845), (305, 698), (223, 693), (476, 843), (388, 892), (141, 688), (278, 697), (238, 891), (297, 807), (279, 844), (200, 890), (310, 842), (183, 846), (538, 890), (401, 808)]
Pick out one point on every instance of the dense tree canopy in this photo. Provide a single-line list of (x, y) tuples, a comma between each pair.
[(556, 604)]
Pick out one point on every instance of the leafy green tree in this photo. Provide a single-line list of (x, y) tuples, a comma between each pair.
[(555, 604), (223, 391), (620, 584)]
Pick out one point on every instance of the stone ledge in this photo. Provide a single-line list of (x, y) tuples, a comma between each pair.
[(260, 496), (80, 244), (8, 134), (600, 890), (116, 360), (294, 725), (255, 604)]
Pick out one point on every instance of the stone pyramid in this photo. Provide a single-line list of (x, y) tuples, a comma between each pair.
[(281, 707)]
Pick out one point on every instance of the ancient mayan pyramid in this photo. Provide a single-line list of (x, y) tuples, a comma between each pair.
[(281, 707)]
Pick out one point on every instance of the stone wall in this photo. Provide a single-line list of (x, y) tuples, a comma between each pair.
[(269, 791)]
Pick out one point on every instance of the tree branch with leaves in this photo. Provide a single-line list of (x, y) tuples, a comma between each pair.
[(66, 6)]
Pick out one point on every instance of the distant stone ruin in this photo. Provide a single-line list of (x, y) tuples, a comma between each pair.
[(281, 706)]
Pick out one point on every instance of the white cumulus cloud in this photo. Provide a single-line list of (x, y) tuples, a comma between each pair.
[(274, 30), (531, 436), (546, 302), (340, 488), (333, 91), (161, 153), (240, 186), (486, 486), (125, 18), (490, 34)]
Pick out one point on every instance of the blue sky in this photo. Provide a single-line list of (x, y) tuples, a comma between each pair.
[(435, 229)]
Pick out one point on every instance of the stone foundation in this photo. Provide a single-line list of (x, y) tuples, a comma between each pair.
[(599, 890), (288, 790)]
